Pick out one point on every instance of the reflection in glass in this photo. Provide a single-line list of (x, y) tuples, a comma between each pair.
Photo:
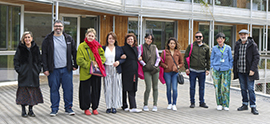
[(10, 27), (162, 31), (7, 69), (35, 22), (88, 22), (205, 31), (71, 27)]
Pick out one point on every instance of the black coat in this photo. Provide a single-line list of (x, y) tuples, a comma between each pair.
[(252, 59), (27, 63), (130, 68), (48, 53), (118, 53)]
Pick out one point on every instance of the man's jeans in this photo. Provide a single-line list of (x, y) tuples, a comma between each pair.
[(192, 79), (171, 83), (56, 78), (247, 88)]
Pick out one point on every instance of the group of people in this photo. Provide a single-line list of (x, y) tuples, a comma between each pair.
[(119, 68)]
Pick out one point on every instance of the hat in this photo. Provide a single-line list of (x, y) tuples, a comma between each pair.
[(244, 31)]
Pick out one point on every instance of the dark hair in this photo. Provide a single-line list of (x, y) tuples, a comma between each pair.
[(152, 36), (59, 21), (114, 37), (131, 35), (220, 34), (177, 46), (198, 33)]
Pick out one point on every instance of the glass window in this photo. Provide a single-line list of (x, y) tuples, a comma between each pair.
[(35, 22), (7, 69), (162, 31), (227, 30), (9, 27), (230, 3), (88, 22), (205, 31), (258, 5), (133, 27), (70, 27), (256, 36)]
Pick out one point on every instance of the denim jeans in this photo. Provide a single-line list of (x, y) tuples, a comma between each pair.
[(171, 83), (56, 78), (247, 86), (192, 79)]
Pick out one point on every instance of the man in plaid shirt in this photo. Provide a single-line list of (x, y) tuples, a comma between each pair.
[(245, 67)]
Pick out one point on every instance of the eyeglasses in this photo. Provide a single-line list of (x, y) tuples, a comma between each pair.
[(58, 26), (198, 37)]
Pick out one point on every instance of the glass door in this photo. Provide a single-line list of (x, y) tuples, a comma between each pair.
[(70, 27)]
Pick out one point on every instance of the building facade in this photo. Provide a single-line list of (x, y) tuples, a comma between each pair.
[(163, 18)]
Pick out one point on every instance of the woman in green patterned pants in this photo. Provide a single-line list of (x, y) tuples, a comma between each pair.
[(221, 64)]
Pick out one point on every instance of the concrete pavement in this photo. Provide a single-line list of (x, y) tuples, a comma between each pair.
[(10, 113)]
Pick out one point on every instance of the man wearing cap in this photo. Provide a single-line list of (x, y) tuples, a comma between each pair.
[(245, 67)]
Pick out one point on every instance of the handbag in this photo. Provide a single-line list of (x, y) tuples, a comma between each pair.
[(180, 77), (188, 58), (94, 70)]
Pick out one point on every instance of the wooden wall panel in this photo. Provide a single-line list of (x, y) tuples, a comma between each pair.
[(121, 29), (183, 30), (106, 26), (241, 3), (195, 28), (238, 28)]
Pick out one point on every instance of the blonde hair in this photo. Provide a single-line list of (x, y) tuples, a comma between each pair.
[(25, 33), (89, 30)]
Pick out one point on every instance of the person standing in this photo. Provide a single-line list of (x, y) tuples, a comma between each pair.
[(59, 59), (150, 61), (27, 63), (173, 62), (245, 67), (199, 67), (130, 73), (113, 80), (221, 64), (90, 85)]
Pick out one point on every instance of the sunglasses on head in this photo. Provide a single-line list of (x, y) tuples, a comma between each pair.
[(198, 37)]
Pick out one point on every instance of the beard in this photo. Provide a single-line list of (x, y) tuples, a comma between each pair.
[(244, 39), (58, 31)]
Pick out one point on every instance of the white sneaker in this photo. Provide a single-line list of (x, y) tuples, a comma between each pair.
[(126, 109), (145, 108), (226, 109), (135, 110), (219, 107), (154, 108), (169, 106), (174, 107)]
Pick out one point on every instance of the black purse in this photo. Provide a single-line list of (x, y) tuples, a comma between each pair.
[(180, 77)]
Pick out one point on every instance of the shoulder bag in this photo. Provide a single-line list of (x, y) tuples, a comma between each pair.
[(180, 77), (94, 70)]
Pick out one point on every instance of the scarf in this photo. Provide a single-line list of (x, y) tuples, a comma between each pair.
[(94, 46)]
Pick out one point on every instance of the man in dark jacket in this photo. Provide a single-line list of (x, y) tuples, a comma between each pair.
[(59, 59), (245, 67), (199, 67)]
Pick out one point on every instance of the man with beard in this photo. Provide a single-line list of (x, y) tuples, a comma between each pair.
[(245, 67), (199, 67), (59, 59)]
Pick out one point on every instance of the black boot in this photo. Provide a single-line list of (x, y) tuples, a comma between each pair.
[(23, 111), (243, 107), (31, 113), (254, 111)]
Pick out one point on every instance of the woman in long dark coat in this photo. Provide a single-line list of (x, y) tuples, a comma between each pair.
[(130, 73), (27, 63)]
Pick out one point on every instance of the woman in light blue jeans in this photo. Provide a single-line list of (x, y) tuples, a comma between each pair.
[(173, 61)]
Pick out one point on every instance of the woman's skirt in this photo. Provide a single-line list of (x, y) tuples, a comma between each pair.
[(29, 96), (112, 87)]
